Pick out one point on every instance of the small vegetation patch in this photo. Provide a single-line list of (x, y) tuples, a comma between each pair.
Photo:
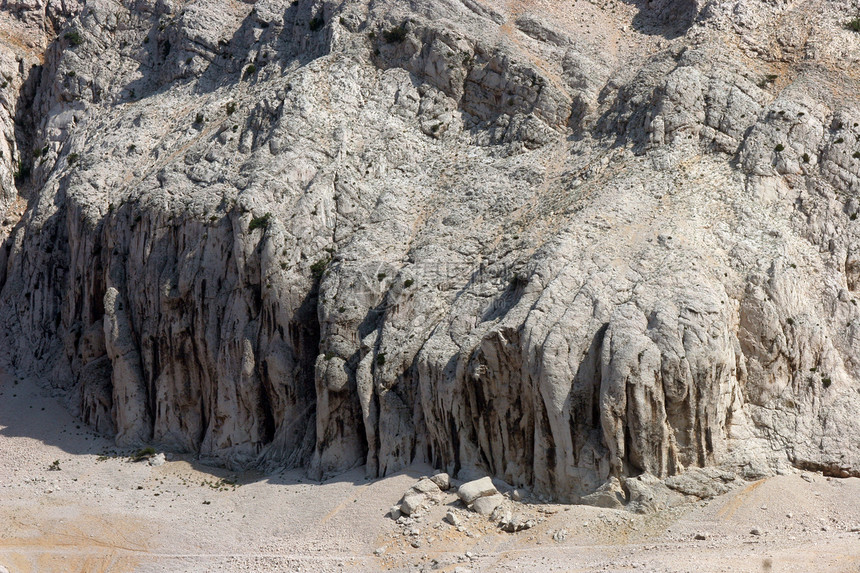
[(231, 107), (779, 147), (143, 454), (395, 35), (22, 171), (319, 267), (316, 23), (74, 37), (55, 466), (259, 222), (249, 71), (222, 484), (853, 25), (767, 80)]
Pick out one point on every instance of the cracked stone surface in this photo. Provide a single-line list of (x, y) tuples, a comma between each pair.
[(564, 246)]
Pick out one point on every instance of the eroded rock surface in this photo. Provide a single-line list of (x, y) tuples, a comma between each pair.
[(563, 246)]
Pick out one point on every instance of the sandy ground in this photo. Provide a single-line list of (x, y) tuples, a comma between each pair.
[(100, 511)]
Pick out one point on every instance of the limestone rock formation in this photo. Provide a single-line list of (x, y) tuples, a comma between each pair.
[(564, 245)]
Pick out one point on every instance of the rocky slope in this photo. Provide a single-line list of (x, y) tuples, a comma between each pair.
[(562, 244)]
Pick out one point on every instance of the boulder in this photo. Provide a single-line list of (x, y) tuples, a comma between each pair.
[(411, 502), (470, 491), (487, 504), (609, 495), (426, 486), (442, 481)]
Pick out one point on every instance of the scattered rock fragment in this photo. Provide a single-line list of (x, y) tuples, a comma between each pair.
[(517, 523)]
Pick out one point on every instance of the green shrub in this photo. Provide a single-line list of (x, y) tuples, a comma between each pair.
[(856, 155), (249, 71), (806, 158), (199, 118), (318, 268), (143, 454), (231, 107), (826, 382), (767, 80), (316, 23), (853, 25), (779, 147), (259, 222), (408, 283), (74, 37), (73, 158), (395, 35), (21, 171), (55, 466), (380, 359)]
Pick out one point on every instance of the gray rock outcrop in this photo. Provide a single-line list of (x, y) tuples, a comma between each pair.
[(567, 248)]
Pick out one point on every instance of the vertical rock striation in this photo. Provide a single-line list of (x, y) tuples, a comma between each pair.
[(567, 249)]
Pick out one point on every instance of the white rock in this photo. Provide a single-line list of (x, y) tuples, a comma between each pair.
[(426, 486), (470, 491), (442, 481), (487, 504), (411, 502)]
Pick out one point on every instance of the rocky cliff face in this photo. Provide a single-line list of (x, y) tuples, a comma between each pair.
[(558, 244)]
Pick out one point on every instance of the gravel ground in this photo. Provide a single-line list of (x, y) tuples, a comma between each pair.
[(101, 511)]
